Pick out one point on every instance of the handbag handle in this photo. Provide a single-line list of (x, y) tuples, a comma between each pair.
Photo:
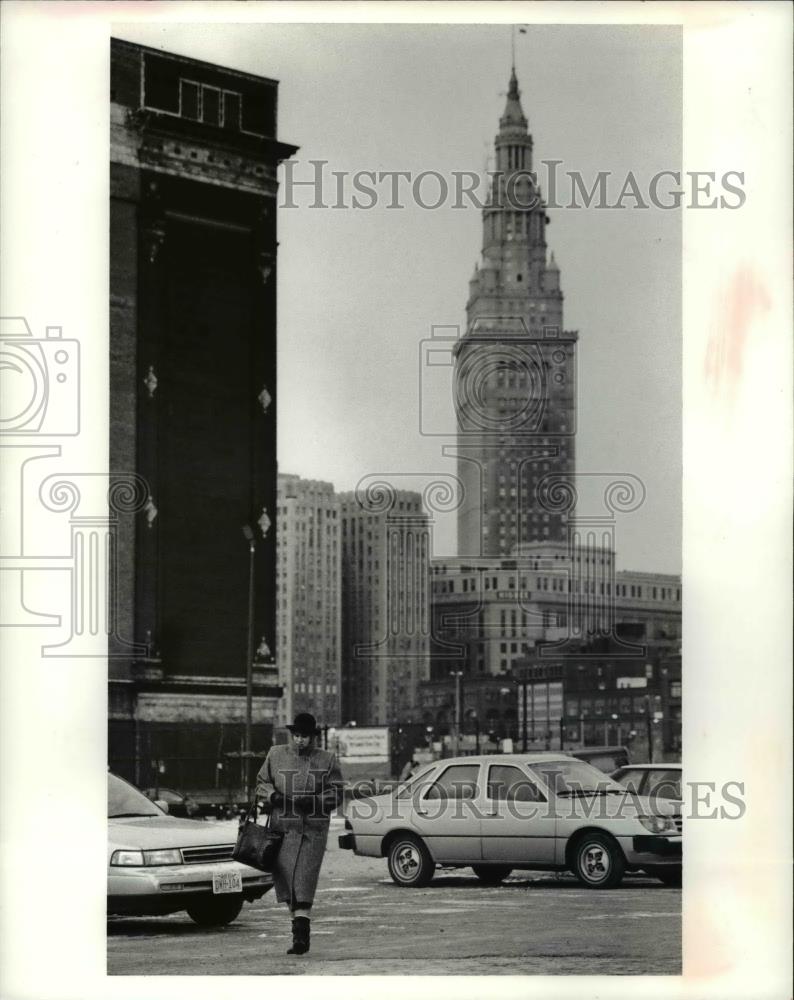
[(252, 808)]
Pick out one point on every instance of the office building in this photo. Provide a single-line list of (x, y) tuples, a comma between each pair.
[(308, 599), (385, 607)]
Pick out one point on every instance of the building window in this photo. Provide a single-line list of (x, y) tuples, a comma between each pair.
[(191, 100), (211, 106)]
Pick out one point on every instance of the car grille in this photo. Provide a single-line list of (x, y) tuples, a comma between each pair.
[(203, 855)]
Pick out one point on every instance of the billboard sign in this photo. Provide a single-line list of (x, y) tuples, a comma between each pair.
[(361, 744)]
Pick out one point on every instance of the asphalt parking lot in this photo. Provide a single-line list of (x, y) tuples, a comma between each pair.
[(534, 924)]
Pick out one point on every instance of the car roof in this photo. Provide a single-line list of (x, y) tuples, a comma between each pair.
[(652, 767), (530, 757)]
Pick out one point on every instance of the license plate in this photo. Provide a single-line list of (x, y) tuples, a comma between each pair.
[(227, 882)]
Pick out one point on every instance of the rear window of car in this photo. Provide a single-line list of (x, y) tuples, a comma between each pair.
[(456, 782), (509, 784)]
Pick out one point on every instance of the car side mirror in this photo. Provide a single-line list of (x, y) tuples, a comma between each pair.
[(162, 804)]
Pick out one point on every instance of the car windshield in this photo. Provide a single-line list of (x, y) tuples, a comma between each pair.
[(665, 784), (574, 777), (124, 800), (405, 788)]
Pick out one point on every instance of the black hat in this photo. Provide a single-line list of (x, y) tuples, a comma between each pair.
[(304, 725)]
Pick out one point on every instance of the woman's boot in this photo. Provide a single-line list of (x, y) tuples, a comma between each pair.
[(300, 936)]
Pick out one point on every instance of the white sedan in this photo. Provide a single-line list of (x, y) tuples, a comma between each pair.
[(160, 864), (518, 811)]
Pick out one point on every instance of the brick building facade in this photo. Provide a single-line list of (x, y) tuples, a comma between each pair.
[(193, 165)]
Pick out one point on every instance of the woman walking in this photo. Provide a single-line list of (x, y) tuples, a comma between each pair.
[(301, 786)]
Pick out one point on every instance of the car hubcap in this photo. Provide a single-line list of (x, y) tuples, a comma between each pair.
[(407, 861), (595, 863)]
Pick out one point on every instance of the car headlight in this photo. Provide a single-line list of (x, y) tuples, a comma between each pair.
[(139, 859), (172, 857), (127, 858), (658, 824)]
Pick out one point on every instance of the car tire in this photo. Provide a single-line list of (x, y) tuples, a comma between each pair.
[(215, 912), (669, 876), (409, 861), (491, 874), (598, 861)]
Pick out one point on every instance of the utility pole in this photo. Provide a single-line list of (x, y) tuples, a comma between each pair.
[(649, 727), (249, 660), (457, 674)]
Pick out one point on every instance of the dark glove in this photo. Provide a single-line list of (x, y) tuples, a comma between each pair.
[(304, 803), (276, 799)]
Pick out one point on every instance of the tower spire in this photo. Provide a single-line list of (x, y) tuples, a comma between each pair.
[(513, 116)]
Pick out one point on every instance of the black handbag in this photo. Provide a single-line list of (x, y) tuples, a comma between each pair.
[(257, 846)]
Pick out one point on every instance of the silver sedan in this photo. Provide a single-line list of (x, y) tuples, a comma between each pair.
[(518, 811)]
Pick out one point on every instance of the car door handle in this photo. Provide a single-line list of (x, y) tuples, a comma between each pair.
[(421, 812), (492, 814)]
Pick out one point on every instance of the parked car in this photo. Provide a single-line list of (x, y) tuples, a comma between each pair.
[(660, 780), (516, 811), (160, 864), (605, 758), (178, 804)]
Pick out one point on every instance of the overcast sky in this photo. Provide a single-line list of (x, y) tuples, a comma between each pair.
[(359, 290)]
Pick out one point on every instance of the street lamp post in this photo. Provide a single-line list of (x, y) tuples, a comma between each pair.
[(473, 718), (457, 674), (249, 658)]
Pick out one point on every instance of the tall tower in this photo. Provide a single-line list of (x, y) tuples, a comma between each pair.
[(515, 366)]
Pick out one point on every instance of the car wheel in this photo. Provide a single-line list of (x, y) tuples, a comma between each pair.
[(670, 876), (409, 862), (491, 874), (215, 912), (598, 862)]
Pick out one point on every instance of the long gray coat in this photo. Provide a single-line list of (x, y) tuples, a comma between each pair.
[(311, 772)]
